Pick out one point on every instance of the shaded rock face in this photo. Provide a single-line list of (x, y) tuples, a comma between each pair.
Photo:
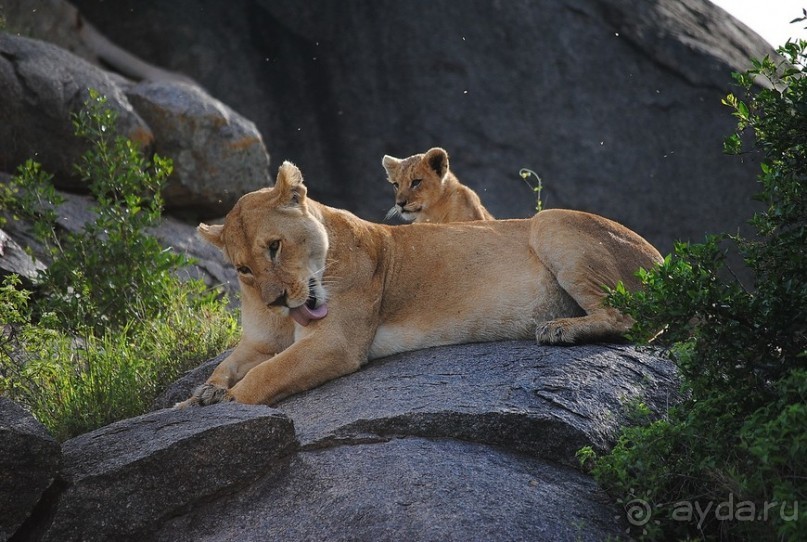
[(462, 442), (409, 489), (29, 461), (615, 103), (125, 479)]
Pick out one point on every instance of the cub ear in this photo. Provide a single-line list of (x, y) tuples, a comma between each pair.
[(390, 164), (437, 159), (212, 234), (290, 184)]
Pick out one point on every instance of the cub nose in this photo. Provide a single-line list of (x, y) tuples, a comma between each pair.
[(402, 204)]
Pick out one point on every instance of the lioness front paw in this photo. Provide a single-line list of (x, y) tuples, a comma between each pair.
[(206, 394)]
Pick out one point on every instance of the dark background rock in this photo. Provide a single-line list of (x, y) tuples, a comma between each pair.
[(29, 461), (54, 21), (615, 103), (126, 478)]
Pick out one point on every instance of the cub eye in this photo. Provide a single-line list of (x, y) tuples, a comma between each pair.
[(273, 247), (395, 186), (416, 182), (244, 270)]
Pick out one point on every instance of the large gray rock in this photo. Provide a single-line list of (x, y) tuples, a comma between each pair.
[(615, 103), (29, 461), (462, 442), (454, 443), (41, 86), (208, 262), (218, 155), (123, 480)]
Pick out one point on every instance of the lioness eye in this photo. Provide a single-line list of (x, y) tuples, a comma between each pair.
[(274, 246), (244, 270), (416, 182)]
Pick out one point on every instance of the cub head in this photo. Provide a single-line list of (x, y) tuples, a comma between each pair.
[(418, 181), (277, 246)]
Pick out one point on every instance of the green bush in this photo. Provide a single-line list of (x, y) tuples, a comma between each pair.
[(112, 271), (109, 323), (730, 461)]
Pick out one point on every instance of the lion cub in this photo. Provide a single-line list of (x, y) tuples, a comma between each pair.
[(427, 191)]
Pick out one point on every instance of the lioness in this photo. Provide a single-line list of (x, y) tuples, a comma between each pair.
[(427, 191), (357, 291)]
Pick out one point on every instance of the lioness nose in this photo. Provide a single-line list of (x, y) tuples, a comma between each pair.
[(280, 301)]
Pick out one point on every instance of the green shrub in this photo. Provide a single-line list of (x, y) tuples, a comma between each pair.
[(112, 271), (730, 461), (109, 323)]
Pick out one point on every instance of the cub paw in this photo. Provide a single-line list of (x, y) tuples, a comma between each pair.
[(206, 394), (555, 332)]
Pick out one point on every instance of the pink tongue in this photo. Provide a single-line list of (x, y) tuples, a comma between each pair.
[(303, 315)]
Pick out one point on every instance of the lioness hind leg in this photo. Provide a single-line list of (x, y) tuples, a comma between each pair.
[(587, 287), (587, 254), (606, 324)]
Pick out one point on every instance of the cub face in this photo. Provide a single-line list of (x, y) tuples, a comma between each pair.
[(277, 247), (417, 181)]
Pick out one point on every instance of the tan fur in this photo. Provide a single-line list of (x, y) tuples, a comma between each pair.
[(391, 289), (427, 191)]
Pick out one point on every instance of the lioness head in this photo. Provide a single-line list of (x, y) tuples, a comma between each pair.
[(277, 246), (417, 181)]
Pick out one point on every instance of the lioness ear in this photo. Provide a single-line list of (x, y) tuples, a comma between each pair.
[(290, 183), (390, 164), (437, 159), (212, 234)]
